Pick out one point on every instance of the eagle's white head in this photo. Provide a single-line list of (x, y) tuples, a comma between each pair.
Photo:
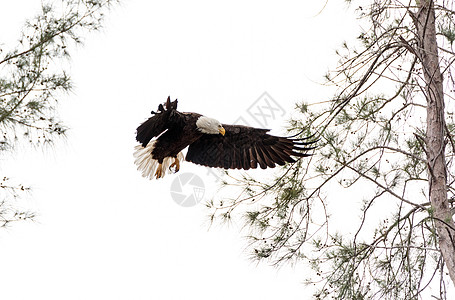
[(209, 125)]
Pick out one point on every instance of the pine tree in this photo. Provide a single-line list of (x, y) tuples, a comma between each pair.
[(386, 137), (33, 80)]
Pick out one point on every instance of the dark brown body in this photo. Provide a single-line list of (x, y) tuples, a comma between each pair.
[(177, 138)]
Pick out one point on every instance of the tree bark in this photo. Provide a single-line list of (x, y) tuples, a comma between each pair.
[(424, 21)]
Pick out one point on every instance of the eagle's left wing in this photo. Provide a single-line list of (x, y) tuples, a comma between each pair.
[(244, 147), (163, 119)]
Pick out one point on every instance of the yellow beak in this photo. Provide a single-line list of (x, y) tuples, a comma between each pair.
[(222, 131)]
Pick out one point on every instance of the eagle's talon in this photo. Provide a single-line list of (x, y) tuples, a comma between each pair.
[(159, 171), (175, 164)]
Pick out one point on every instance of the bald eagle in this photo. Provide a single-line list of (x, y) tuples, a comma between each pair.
[(164, 135)]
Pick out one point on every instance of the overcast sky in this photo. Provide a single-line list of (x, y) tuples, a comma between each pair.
[(103, 231)]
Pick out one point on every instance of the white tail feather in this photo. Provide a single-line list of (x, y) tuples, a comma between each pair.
[(147, 165)]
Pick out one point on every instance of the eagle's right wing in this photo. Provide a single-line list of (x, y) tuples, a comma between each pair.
[(244, 147)]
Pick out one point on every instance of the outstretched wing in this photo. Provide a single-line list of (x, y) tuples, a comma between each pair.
[(162, 120), (244, 147)]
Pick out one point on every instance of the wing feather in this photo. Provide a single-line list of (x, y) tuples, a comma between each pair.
[(253, 159), (274, 156), (267, 159), (260, 158), (246, 160)]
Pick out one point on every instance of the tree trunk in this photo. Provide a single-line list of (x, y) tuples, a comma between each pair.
[(428, 55)]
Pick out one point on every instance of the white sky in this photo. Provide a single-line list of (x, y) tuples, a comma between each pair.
[(103, 231)]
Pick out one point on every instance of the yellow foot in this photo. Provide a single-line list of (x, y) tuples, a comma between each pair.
[(175, 164), (159, 172)]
